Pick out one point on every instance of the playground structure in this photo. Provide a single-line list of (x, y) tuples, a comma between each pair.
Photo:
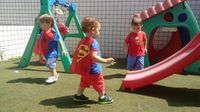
[(182, 46), (180, 50), (46, 7)]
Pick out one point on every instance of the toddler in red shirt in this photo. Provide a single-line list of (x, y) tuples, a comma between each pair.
[(135, 45)]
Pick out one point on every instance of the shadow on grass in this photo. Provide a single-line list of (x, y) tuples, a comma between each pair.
[(174, 96), (31, 63), (29, 69), (29, 80), (66, 102), (36, 63), (26, 68), (15, 68), (114, 76)]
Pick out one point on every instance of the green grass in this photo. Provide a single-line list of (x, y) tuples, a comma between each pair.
[(26, 91)]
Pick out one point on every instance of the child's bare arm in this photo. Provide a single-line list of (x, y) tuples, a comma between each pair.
[(125, 48), (145, 44), (146, 47), (62, 48), (100, 59)]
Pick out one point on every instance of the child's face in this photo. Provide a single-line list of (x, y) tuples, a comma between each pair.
[(136, 28), (45, 26), (96, 31)]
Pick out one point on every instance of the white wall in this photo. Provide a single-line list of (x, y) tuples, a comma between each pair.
[(17, 19), (13, 40)]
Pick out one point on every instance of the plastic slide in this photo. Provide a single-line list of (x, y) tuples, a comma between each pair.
[(176, 62)]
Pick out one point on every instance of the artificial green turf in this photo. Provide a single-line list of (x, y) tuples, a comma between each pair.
[(26, 91)]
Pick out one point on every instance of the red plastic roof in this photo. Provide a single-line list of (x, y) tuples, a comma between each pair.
[(158, 8)]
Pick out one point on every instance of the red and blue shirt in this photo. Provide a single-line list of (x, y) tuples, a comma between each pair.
[(136, 43), (82, 62), (49, 44)]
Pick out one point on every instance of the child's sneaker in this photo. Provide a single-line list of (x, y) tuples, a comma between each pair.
[(51, 79), (57, 76), (105, 100), (81, 98)]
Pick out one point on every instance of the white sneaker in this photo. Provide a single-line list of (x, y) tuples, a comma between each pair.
[(51, 79), (57, 76)]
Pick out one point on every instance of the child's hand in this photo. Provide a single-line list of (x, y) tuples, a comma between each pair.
[(145, 50), (124, 50), (109, 60), (113, 62), (65, 53)]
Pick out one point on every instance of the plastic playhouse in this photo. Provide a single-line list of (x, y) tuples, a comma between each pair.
[(175, 50)]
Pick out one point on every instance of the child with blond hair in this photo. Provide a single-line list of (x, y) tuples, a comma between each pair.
[(86, 62)]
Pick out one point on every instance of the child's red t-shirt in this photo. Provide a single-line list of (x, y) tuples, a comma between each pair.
[(136, 43)]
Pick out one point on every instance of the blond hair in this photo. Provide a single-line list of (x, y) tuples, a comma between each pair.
[(136, 21), (89, 23), (46, 18)]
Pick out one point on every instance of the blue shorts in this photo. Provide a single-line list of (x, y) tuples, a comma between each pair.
[(135, 62), (51, 63)]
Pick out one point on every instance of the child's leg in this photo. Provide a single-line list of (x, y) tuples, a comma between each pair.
[(51, 64), (101, 93), (98, 84), (80, 91), (139, 63), (53, 72), (53, 77), (131, 60), (41, 59), (80, 97), (83, 84)]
